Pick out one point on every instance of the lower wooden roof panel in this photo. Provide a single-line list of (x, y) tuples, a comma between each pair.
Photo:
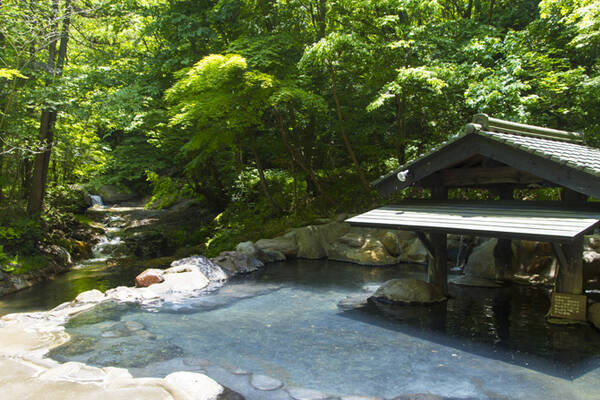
[(503, 220)]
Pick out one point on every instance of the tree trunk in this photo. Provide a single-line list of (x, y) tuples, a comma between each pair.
[(491, 13), (298, 158), (263, 181), (344, 136), (469, 9), (401, 126), (48, 118)]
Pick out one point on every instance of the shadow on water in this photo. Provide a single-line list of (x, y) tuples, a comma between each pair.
[(505, 324)]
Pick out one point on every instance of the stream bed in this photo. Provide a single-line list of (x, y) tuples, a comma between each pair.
[(285, 323)]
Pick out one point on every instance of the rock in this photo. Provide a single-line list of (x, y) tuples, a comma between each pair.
[(309, 243), (212, 271), (76, 345), (481, 262), (594, 314), (90, 296), (265, 383), (133, 326), (105, 311), (195, 386), (306, 394), (139, 350), (273, 256), (266, 256), (372, 252), (180, 281), (353, 239), (284, 245), (149, 277), (413, 251), (238, 263), (408, 290), (145, 334), (124, 294), (419, 396), (391, 244), (60, 254), (112, 194), (145, 244)]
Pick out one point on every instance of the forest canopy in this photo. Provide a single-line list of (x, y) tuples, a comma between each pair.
[(261, 110)]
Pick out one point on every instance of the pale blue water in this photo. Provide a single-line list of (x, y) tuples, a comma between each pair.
[(285, 323)]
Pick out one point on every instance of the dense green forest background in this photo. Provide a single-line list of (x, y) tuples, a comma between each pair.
[(266, 112)]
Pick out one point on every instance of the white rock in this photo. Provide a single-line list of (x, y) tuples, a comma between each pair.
[(265, 383), (195, 386), (91, 296)]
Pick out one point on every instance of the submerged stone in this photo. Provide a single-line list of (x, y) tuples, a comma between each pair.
[(265, 383), (408, 290), (134, 351), (107, 310), (306, 394), (76, 345)]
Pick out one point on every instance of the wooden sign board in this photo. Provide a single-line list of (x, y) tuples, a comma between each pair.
[(569, 306)]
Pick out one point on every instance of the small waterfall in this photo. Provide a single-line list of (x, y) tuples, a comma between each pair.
[(96, 200)]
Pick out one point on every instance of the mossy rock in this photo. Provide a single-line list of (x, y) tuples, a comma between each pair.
[(408, 291)]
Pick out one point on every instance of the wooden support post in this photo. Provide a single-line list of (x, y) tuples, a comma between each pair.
[(503, 253), (437, 272), (570, 277)]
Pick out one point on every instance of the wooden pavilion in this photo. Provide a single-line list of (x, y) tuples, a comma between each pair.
[(501, 156)]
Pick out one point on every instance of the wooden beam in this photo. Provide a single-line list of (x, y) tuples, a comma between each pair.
[(445, 157), (571, 197), (426, 243), (461, 177), (560, 255)]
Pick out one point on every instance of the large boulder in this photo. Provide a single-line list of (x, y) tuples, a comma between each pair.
[(310, 243), (408, 291), (412, 250), (266, 255), (285, 245), (113, 193), (237, 263), (211, 270), (481, 262), (372, 252)]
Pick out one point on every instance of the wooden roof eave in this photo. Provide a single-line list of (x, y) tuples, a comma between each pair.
[(474, 143)]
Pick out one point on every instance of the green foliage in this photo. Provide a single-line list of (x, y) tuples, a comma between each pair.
[(166, 191)]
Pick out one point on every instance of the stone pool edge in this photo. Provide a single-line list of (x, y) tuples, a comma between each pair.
[(28, 337)]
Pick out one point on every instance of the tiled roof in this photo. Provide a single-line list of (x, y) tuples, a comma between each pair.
[(583, 158)]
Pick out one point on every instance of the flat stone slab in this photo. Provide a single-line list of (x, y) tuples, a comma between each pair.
[(265, 383)]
